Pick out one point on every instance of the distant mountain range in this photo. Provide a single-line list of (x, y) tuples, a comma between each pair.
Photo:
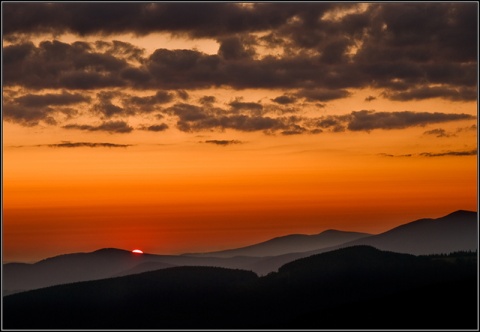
[(457, 231), (290, 244), (454, 232), (357, 287)]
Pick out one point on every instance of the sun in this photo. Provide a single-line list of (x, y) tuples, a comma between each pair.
[(137, 251)]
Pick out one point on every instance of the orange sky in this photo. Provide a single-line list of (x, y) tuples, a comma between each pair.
[(84, 169)]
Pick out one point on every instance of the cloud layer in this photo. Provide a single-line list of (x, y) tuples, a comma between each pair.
[(311, 53)]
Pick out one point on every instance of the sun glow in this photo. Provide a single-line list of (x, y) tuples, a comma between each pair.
[(137, 251)]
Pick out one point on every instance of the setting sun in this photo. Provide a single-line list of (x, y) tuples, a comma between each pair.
[(137, 251)]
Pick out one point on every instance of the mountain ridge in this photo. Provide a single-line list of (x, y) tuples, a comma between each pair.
[(287, 244), (456, 231), (361, 279)]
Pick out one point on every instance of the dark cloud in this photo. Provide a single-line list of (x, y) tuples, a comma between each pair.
[(392, 155), (330, 121), (207, 100), (67, 144), (369, 120), (223, 142), (27, 116), (234, 48), (25, 113), (412, 50), (318, 52), (120, 127), (183, 94), (196, 118), (285, 99), (439, 132), (239, 106), (323, 94), (237, 122), (54, 64), (449, 153), (147, 104), (196, 19), (470, 128), (73, 67), (159, 127), (295, 130), (461, 94), (51, 99), (187, 112), (121, 49)]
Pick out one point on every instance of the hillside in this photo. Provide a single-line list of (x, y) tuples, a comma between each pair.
[(373, 288), (456, 231), (290, 244)]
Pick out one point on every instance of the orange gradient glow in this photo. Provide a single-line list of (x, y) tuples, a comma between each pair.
[(177, 189)]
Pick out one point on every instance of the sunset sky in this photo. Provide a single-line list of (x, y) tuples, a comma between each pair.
[(192, 127)]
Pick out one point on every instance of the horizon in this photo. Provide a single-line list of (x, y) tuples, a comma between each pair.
[(251, 244), (199, 127)]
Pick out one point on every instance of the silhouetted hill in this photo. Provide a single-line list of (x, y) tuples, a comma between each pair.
[(68, 268), (144, 267), (100, 264), (162, 298), (290, 244), (355, 287), (456, 231)]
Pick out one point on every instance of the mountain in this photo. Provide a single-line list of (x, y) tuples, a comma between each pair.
[(355, 287), (457, 231), (100, 264), (144, 267), (67, 268), (289, 244)]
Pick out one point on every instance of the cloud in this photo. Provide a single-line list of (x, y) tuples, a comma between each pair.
[(67, 144), (308, 52), (435, 154), (438, 133), (147, 104), (470, 128), (207, 100), (253, 108), (195, 19), (120, 49), (158, 127), (460, 94), (285, 99), (223, 142), (183, 94), (197, 118), (411, 50), (31, 116), (58, 65), (51, 99), (450, 153), (192, 118), (391, 155), (120, 127), (233, 48), (322, 94), (369, 120)]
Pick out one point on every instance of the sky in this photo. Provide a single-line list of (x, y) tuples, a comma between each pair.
[(195, 127)]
